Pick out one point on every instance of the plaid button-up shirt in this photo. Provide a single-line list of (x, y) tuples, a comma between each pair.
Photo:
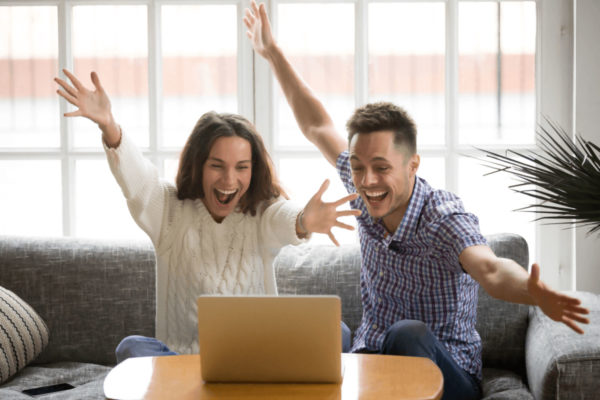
[(415, 273)]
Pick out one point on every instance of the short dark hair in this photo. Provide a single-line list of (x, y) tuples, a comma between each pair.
[(381, 116), (211, 126)]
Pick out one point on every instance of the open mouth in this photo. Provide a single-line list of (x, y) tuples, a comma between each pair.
[(225, 196), (375, 196)]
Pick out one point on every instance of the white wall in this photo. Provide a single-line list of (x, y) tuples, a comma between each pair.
[(587, 123)]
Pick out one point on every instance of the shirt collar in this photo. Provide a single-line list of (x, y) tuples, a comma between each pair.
[(410, 220)]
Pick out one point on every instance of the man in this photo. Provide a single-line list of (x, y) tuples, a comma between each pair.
[(423, 255)]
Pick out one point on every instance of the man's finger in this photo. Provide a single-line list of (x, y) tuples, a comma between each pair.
[(73, 79), (333, 239), (254, 7), (345, 199), (534, 274), (576, 317), (66, 86), (67, 97), (343, 225), (577, 309), (572, 325)]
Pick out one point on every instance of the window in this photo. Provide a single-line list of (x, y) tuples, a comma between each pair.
[(463, 69)]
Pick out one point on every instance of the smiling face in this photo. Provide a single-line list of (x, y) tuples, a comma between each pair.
[(226, 175), (383, 175)]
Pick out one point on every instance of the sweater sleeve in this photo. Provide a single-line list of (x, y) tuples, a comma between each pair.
[(147, 196), (278, 225)]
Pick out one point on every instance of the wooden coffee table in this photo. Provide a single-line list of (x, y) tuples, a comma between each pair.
[(366, 376)]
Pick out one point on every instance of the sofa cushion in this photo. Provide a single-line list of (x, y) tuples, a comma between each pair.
[(562, 364), (88, 380), (501, 384), (310, 269), (502, 325), (23, 334)]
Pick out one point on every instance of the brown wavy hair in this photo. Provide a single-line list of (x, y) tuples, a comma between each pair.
[(264, 185)]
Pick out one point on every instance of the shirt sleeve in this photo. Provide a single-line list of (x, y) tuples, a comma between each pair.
[(277, 224), (146, 194), (453, 229)]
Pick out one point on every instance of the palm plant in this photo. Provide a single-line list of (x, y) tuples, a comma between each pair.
[(563, 176)]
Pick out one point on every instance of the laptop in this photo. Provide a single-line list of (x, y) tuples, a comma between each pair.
[(275, 339)]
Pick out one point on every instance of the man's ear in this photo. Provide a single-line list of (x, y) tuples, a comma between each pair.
[(413, 164)]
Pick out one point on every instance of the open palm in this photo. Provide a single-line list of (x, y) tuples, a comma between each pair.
[(559, 307), (259, 28), (94, 105)]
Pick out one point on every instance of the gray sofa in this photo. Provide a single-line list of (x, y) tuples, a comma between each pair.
[(93, 293)]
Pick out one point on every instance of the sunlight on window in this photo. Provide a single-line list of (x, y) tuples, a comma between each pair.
[(497, 72), (323, 56), (120, 57), (31, 198), (29, 113), (199, 72), (407, 62)]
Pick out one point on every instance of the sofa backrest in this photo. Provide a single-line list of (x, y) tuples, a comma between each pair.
[(90, 293), (326, 269), (501, 325)]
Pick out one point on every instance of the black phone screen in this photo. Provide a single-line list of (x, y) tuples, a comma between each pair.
[(48, 389)]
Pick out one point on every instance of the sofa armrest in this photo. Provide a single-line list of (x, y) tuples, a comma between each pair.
[(562, 364)]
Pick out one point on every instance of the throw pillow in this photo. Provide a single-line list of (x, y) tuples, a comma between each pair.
[(23, 334)]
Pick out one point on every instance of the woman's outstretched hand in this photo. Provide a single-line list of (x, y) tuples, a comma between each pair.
[(320, 217), (94, 105)]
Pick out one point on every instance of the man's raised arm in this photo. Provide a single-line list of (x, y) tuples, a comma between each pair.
[(313, 120)]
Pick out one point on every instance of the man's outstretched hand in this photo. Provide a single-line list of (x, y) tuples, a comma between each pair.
[(559, 307)]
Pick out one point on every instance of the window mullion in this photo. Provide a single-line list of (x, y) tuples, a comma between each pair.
[(65, 59), (451, 133), (361, 57), (154, 80), (245, 81)]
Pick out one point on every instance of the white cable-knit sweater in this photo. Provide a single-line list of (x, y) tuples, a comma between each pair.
[(195, 254)]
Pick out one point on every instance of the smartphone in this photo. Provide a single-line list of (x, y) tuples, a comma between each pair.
[(48, 389)]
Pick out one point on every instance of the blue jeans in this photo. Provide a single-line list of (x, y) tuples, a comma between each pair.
[(141, 346), (413, 338)]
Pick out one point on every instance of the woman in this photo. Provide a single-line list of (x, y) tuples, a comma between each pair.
[(215, 232)]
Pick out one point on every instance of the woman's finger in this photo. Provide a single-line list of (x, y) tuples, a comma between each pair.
[(333, 238), (73, 79), (347, 213), (345, 199), (71, 90), (577, 309), (67, 97), (76, 113), (567, 321), (343, 225)]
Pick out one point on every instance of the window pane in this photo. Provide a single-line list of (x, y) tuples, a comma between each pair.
[(199, 48), (433, 170), (29, 114), (490, 198), (31, 198), (497, 72), (293, 173), (406, 62), (323, 54), (113, 41), (100, 208)]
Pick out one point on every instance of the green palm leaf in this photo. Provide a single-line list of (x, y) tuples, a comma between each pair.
[(562, 175)]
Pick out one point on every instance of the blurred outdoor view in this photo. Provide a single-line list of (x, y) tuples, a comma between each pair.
[(403, 59)]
